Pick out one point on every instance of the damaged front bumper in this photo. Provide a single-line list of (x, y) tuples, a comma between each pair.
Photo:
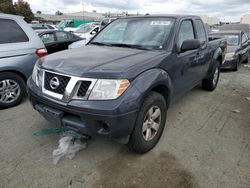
[(113, 119)]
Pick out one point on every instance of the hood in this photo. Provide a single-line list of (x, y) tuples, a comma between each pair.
[(231, 49), (95, 61)]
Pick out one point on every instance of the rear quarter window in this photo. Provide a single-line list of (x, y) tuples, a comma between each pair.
[(11, 32)]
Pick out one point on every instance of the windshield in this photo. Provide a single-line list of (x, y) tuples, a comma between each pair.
[(149, 33), (84, 29), (232, 40)]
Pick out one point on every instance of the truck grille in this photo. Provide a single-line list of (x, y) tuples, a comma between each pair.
[(63, 82), (83, 88)]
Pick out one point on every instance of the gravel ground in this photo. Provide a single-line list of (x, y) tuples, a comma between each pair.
[(205, 144)]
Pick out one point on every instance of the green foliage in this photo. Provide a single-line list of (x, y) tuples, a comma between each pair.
[(6, 6), (23, 9), (59, 13)]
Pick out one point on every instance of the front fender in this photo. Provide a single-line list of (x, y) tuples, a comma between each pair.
[(151, 79)]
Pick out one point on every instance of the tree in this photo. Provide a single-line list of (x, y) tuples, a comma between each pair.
[(23, 8), (6, 6), (59, 13), (39, 12)]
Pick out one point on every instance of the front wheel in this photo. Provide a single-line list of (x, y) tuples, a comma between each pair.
[(149, 124), (12, 89), (211, 82)]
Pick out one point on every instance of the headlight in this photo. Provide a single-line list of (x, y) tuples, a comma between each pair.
[(229, 55), (36, 74), (105, 89)]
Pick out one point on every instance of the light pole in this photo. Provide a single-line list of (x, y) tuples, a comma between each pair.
[(82, 10)]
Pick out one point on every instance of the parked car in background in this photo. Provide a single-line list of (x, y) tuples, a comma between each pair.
[(86, 32), (56, 41), (71, 25), (106, 21), (42, 26), (120, 86), (238, 48), (20, 47), (235, 27)]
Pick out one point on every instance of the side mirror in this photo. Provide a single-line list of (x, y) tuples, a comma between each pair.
[(192, 44), (93, 32)]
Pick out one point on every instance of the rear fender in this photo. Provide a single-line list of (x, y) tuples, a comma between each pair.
[(217, 56)]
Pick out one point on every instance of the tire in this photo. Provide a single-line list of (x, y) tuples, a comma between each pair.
[(211, 82), (12, 89), (140, 141)]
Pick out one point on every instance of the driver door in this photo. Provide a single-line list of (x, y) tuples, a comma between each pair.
[(185, 76)]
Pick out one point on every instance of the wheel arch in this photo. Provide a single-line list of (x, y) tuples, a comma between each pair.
[(15, 72), (157, 80)]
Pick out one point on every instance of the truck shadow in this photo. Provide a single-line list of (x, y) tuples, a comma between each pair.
[(159, 169)]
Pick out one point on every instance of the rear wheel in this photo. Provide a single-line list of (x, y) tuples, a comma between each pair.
[(211, 82), (149, 124), (12, 89)]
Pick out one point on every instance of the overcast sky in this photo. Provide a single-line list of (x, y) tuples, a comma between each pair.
[(226, 10)]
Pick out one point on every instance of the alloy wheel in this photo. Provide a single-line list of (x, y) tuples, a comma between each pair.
[(9, 91), (151, 123)]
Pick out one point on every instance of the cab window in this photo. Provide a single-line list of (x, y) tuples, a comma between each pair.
[(186, 32)]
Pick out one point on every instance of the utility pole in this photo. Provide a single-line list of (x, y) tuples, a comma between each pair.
[(82, 10)]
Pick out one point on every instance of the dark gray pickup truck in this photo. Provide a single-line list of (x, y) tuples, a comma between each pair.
[(121, 84)]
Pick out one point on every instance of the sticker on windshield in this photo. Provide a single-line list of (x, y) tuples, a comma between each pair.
[(160, 23)]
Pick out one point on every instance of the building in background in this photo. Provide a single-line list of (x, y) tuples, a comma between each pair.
[(245, 19), (54, 19), (210, 20)]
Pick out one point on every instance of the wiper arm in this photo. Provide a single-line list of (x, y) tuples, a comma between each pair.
[(100, 44), (136, 46)]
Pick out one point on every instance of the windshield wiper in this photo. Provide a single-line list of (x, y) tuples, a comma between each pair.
[(100, 44), (136, 46)]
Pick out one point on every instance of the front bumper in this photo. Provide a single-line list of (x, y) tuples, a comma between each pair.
[(112, 119), (229, 63)]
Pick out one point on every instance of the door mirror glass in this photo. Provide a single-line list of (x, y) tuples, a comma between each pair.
[(190, 44)]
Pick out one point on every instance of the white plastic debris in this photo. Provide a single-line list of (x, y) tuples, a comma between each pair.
[(69, 144), (247, 98), (236, 111), (247, 66)]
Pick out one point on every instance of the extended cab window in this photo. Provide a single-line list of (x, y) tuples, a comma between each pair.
[(186, 32), (11, 32), (201, 32)]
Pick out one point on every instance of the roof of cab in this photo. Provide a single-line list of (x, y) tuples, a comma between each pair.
[(162, 16)]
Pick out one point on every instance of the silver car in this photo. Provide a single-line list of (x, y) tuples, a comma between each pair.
[(20, 47)]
